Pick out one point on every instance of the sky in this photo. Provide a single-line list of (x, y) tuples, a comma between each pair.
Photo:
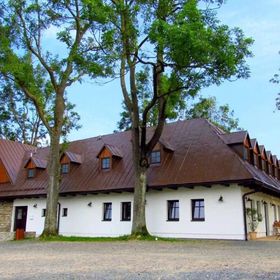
[(253, 99)]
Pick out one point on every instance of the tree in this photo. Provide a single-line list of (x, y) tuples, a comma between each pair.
[(19, 119), (276, 80), (207, 108), (184, 48), (43, 74)]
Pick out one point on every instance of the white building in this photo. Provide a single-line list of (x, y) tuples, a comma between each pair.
[(200, 183)]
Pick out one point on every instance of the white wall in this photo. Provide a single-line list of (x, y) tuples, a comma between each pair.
[(82, 220), (223, 220)]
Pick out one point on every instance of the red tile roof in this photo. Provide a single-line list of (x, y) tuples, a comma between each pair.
[(200, 156), (11, 154)]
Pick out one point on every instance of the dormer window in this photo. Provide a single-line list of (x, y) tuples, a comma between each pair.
[(31, 172), (109, 156), (105, 163), (155, 157), (65, 167)]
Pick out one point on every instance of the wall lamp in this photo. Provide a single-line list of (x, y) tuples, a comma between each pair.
[(221, 199), (89, 204), (35, 205)]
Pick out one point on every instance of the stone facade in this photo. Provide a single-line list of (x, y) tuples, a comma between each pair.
[(6, 209), (6, 236)]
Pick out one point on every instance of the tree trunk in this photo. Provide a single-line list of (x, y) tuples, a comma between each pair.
[(51, 226), (139, 204), (140, 185)]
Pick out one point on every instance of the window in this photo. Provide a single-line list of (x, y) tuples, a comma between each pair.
[(107, 211), (105, 163), (44, 212), (198, 210), (155, 157), (259, 211), (278, 212), (274, 212), (126, 211), (64, 212), (31, 172), (65, 167), (173, 210)]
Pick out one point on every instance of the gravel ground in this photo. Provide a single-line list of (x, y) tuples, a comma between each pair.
[(140, 260)]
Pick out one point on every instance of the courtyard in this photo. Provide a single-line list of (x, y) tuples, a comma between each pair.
[(190, 259)]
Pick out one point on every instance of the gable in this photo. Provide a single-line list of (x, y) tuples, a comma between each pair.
[(4, 176)]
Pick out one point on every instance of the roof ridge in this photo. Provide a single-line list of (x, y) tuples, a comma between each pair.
[(231, 151)]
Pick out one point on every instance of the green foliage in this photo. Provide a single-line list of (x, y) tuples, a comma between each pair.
[(253, 218), (276, 80), (19, 120), (207, 108), (221, 116), (189, 48)]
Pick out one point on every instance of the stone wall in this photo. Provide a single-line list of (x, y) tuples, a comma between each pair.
[(6, 209), (6, 236)]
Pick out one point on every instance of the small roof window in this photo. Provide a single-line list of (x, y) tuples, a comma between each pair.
[(106, 163), (155, 157), (31, 172)]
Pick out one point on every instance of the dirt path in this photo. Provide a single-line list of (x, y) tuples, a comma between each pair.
[(140, 260)]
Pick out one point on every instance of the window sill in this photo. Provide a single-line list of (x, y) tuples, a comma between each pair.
[(198, 220), (125, 220), (107, 220), (172, 220)]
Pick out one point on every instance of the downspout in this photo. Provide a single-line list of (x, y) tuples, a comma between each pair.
[(244, 213), (58, 217)]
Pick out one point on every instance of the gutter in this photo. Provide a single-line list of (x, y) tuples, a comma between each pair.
[(244, 213), (58, 217)]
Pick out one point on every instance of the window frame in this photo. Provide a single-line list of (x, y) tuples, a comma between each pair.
[(64, 212), (44, 211), (33, 170), (259, 208), (105, 209), (106, 166), (193, 206), (154, 160), (170, 206), (62, 170), (125, 218)]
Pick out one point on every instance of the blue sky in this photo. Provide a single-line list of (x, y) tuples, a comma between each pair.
[(253, 100)]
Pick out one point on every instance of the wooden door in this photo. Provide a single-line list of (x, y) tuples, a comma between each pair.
[(20, 217)]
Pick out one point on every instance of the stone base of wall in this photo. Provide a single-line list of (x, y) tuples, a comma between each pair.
[(30, 234), (6, 209), (6, 236)]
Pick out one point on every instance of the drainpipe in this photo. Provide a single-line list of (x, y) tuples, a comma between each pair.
[(244, 213), (58, 216)]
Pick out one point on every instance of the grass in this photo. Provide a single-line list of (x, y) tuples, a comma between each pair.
[(105, 239)]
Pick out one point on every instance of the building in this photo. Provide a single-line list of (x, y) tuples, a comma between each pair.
[(200, 182)]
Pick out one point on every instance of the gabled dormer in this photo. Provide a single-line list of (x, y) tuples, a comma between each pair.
[(256, 153), (34, 165), (108, 156), (264, 159), (161, 150), (4, 175), (276, 166), (67, 159), (270, 163)]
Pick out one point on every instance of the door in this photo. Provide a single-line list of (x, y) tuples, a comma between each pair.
[(20, 217), (266, 218)]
